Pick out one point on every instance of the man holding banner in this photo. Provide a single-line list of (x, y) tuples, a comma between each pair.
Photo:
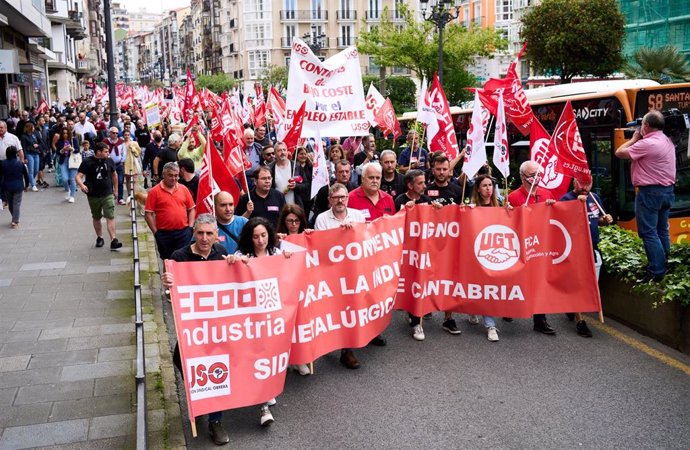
[(528, 194)]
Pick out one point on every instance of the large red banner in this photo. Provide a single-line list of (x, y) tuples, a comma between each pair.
[(490, 261), (234, 327), (349, 285)]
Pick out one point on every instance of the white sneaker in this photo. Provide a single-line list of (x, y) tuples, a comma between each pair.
[(266, 416), (473, 319), (34, 188), (302, 369), (67, 196), (71, 200), (271, 402), (492, 334), (418, 333)]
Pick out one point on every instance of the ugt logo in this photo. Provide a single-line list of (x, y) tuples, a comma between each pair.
[(497, 247), (209, 376)]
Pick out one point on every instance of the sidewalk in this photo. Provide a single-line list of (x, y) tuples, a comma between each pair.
[(67, 332)]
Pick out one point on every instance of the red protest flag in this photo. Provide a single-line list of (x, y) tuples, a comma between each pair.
[(293, 134), (259, 106), (235, 159), (566, 139), (387, 121), (191, 98), (213, 178), (275, 105), (445, 140), (544, 154), (42, 106)]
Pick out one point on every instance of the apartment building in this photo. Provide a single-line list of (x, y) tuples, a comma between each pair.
[(168, 36), (119, 16), (142, 20), (91, 57), (258, 33), (25, 42), (67, 28)]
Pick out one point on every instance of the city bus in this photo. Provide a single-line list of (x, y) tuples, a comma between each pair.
[(603, 108)]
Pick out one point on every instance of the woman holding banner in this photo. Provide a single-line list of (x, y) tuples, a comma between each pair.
[(257, 239), (484, 194)]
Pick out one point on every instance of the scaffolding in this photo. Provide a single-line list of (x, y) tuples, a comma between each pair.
[(656, 23)]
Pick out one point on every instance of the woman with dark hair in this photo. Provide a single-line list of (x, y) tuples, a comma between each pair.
[(305, 170), (335, 154), (292, 220), (67, 148), (14, 178), (31, 151), (258, 239)]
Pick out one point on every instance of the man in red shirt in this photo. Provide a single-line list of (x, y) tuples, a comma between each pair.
[(170, 212), (369, 198), (528, 194)]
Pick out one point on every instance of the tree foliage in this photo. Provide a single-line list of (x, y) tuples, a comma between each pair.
[(217, 83), (415, 45), (665, 65), (575, 37), (400, 89), (276, 76)]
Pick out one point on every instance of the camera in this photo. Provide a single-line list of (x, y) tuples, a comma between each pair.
[(674, 120)]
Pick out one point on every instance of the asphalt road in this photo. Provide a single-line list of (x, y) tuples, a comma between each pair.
[(526, 391)]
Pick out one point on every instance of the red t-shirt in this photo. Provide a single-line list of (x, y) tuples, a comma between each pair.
[(358, 200), (519, 196), (170, 207)]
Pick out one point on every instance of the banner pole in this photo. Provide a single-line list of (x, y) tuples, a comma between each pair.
[(246, 183), (597, 203), (505, 199), (311, 367), (193, 425), (464, 183), (536, 181), (601, 315)]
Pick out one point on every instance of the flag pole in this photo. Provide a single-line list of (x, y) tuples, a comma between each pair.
[(536, 181), (597, 203), (505, 199)]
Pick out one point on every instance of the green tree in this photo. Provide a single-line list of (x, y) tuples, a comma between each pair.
[(665, 65), (216, 83), (154, 84), (276, 76), (415, 44), (575, 37), (400, 89)]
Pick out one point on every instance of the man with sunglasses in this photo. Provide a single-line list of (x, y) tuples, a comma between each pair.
[(530, 193)]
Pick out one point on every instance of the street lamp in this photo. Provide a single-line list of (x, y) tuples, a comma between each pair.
[(314, 41), (439, 14)]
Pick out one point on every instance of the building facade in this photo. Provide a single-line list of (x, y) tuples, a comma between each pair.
[(66, 69)]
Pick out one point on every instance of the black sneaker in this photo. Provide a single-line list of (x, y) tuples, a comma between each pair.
[(582, 329), (570, 316), (379, 341), (451, 327), (100, 242), (428, 316), (543, 326), (507, 319), (218, 434), (115, 244)]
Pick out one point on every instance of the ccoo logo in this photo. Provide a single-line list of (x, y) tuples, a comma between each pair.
[(497, 247)]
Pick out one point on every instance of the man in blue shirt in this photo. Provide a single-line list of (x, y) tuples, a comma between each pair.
[(596, 218), (229, 225)]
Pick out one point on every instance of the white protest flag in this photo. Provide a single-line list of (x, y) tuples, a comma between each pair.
[(332, 90), (426, 114), (374, 101), (500, 157), (320, 169), (475, 152)]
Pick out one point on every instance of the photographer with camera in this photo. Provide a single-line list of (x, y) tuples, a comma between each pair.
[(653, 173)]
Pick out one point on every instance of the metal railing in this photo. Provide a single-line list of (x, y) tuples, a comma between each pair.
[(142, 426)]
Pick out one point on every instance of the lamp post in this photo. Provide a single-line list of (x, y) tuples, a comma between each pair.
[(440, 14), (314, 41)]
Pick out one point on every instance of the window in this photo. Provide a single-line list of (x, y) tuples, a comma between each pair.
[(258, 61), (346, 35), (373, 67), (504, 10)]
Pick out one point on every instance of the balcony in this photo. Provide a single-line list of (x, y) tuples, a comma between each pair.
[(286, 42), (373, 15), (83, 66), (346, 41), (303, 15), (74, 25), (51, 6), (346, 14)]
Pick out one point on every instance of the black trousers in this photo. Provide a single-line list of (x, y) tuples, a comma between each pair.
[(168, 241)]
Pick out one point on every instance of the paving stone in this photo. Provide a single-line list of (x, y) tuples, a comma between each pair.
[(44, 266), (117, 353), (5, 282), (25, 325), (19, 336), (41, 393), (96, 330), (18, 314), (91, 407), (29, 377), (59, 359), (58, 287), (120, 294), (30, 279), (111, 426), (111, 340), (109, 269), (34, 347), (14, 363), (120, 261), (96, 370), (53, 433), (156, 419), (114, 385), (84, 277), (13, 416), (103, 320), (7, 396)]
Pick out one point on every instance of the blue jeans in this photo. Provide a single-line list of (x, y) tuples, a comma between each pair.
[(489, 322), (69, 178), (120, 169), (215, 416), (32, 160), (652, 205)]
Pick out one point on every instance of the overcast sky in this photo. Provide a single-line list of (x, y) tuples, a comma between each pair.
[(156, 6)]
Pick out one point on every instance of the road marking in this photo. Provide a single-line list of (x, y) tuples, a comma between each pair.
[(644, 348)]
